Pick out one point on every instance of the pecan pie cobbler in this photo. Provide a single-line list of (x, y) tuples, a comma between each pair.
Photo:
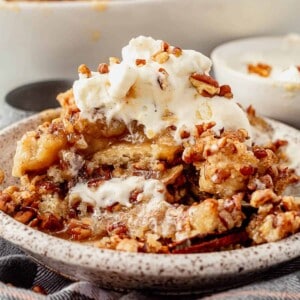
[(151, 154)]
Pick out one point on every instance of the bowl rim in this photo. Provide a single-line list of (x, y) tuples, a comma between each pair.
[(218, 60), (163, 265)]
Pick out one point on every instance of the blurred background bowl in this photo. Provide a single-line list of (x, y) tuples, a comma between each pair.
[(48, 40), (271, 96)]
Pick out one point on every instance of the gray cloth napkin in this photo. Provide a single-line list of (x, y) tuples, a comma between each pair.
[(19, 275)]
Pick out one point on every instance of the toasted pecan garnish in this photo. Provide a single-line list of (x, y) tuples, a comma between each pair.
[(261, 69)]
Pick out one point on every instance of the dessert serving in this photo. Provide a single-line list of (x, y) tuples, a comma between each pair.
[(151, 154)]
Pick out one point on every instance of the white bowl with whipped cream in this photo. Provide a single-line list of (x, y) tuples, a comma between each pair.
[(263, 72)]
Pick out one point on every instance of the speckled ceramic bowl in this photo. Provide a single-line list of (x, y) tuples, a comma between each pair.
[(120, 270)]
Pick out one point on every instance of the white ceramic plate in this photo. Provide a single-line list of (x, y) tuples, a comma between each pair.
[(120, 270)]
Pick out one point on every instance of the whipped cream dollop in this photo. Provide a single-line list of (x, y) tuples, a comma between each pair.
[(157, 93)]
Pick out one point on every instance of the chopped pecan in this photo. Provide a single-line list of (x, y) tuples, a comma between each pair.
[(164, 46), (261, 69), (79, 230), (4, 200), (162, 70), (205, 85), (225, 91), (118, 228), (220, 176), (50, 222), (83, 69), (176, 51), (190, 156), (260, 197), (251, 111), (247, 170), (103, 68), (184, 134), (160, 57), (260, 153), (140, 62), (204, 127), (205, 78)]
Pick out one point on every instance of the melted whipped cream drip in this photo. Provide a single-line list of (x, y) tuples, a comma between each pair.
[(118, 190), (131, 92)]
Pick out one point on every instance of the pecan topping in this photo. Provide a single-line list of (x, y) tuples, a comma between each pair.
[(260, 153), (225, 91), (184, 134), (140, 62), (83, 69), (260, 69), (247, 170), (251, 111), (160, 57), (103, 68), (176, 51), (220, 176), (204, 127), (164, 46), (205, 85)]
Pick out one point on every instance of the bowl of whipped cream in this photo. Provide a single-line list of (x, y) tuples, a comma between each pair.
[(263, 72)]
